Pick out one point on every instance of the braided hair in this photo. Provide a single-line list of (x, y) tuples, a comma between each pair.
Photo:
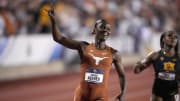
[(162, 43)]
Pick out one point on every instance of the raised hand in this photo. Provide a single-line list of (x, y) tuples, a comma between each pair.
[(51, 13)]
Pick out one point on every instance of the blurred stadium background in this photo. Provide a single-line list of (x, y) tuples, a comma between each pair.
[(35, 68)]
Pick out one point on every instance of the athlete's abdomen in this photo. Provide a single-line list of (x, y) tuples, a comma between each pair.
[(91, 92)]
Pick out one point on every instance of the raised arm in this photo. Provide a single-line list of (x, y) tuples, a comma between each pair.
[(58, 37), (146, 62), (120, 71)]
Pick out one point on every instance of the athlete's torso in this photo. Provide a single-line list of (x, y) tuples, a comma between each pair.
[(165, 74), (95, 67)]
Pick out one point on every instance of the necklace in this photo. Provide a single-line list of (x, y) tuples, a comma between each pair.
[(168, 54), (164, 52)]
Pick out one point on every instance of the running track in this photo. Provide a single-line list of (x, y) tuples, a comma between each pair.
[(61, 87)]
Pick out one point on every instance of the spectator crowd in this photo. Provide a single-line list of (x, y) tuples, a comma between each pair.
[(139, 19)]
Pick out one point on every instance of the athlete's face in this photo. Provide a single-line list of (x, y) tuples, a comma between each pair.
[(102, 32), (170, 39)]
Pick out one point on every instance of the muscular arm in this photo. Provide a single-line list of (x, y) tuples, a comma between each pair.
[(58, 37), (146, 62), (178, 70), (120, 71)]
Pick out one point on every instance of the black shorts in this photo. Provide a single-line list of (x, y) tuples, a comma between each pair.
[(165, 89)]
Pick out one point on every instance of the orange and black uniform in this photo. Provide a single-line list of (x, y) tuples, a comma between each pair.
[(95, 67)]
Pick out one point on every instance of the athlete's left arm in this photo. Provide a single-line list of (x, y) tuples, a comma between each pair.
[(178, 77), (121, 74), (178, 70)]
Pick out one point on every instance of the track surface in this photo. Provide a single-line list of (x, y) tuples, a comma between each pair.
[(61, 87)]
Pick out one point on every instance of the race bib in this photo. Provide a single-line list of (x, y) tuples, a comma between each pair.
[(166, 76), (94, 76)]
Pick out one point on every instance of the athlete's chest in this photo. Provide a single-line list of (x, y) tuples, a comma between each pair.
[(97, 57), (166, 67), (168, 64), (96, 64)]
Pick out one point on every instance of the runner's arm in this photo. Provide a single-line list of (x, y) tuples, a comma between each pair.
[(146, 62), (58, 37), (121, 74)]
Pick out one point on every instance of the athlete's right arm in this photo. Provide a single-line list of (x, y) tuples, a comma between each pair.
[(146, 62), (58, 37)]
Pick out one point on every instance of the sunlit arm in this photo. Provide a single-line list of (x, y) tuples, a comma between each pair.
[(146, 62), (58, 37)]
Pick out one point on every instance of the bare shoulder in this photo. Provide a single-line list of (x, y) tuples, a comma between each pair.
[(153, 55), (116, 54), (83, 44), (114, 51)]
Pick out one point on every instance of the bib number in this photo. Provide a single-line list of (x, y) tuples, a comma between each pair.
[(166, 76), (94, 76)]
